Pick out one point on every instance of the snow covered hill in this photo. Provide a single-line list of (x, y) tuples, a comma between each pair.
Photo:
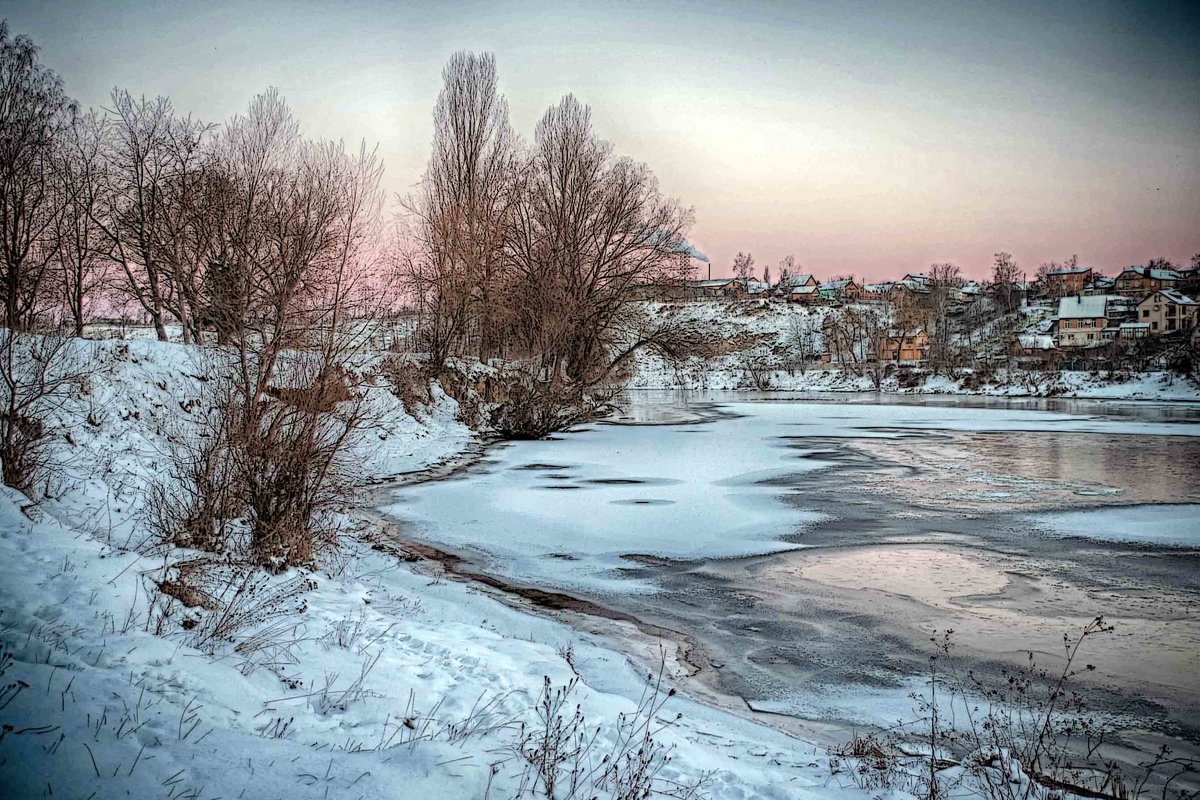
[(372, 676), (764, 345)]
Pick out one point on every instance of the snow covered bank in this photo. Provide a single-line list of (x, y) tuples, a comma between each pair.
[(760, 352), (369, 677)]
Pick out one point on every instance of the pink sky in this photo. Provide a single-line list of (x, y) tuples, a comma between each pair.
[(861, 138)]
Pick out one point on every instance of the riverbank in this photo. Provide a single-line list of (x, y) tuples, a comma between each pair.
[(373, 674), (734, 523)]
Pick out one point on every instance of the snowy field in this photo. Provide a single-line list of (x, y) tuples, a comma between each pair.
[(373, 678)]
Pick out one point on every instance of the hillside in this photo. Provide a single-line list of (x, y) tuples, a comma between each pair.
[(762, 347), (376, 674)]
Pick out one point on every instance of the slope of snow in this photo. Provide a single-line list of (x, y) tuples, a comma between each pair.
[(761, 334), (379, 679)]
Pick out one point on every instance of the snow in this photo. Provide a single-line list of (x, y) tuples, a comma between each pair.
[(1162, 525), (386, 677), (762, 333), (565, 513), (576, 511), (383, 678)]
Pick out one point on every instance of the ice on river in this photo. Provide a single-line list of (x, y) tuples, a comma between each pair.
[(1167, 525), (566, 512)]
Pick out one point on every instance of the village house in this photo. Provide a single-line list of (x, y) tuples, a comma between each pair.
[(905, 346), (1082, 320), (717, 287), (908, 293), (845, 290), (1133, 330), (808, 293), (1141, 281), (1100, 284), (1167, 311), (1072, 280)]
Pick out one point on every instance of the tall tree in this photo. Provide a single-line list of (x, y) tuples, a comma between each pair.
[(80, 246), (1005, 274), (34, 112), (743, 265)]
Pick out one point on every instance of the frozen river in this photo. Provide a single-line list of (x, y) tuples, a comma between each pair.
[(808, 548)]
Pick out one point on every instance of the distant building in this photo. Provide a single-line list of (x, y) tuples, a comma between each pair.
[(910, 346), (1141, 281), (1167, 311), (716, 287), (808, 293), (1072, 280), (1133, 330), (845, 290), (1082, 320)]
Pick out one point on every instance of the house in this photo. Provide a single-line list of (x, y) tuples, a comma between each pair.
[(1141, 281), (1070, 280), (1081, 320), (807, 293), (908, 293), (1034, 343), (795, 281), (917, 278), (1166, 311), (752, 286), (1133, 330), (843, 289), (911, 345), (1100, 284), (716, 287)]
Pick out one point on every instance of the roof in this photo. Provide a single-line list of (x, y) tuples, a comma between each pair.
[(879, 288), (1134, 326), (710, 283), (797, 280), (1036, 341), (916, 277), (896, 333), (841, 283), (1069, 271), (1156, 274), (1175, 297), (809, 289), (1080, 307)]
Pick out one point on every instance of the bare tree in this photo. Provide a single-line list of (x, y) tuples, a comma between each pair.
[(943, 280), (802, 340), (455, 267), (80, 244), (743, 265), (34, 112), (38, 375), (589, 230), (1005, 274), (787, 268)]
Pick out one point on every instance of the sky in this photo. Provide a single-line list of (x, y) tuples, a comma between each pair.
[(863, 138)]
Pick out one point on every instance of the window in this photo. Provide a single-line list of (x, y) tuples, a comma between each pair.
[(1154, 325), (1170, 311), (1145, 313), (1171, 324)]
